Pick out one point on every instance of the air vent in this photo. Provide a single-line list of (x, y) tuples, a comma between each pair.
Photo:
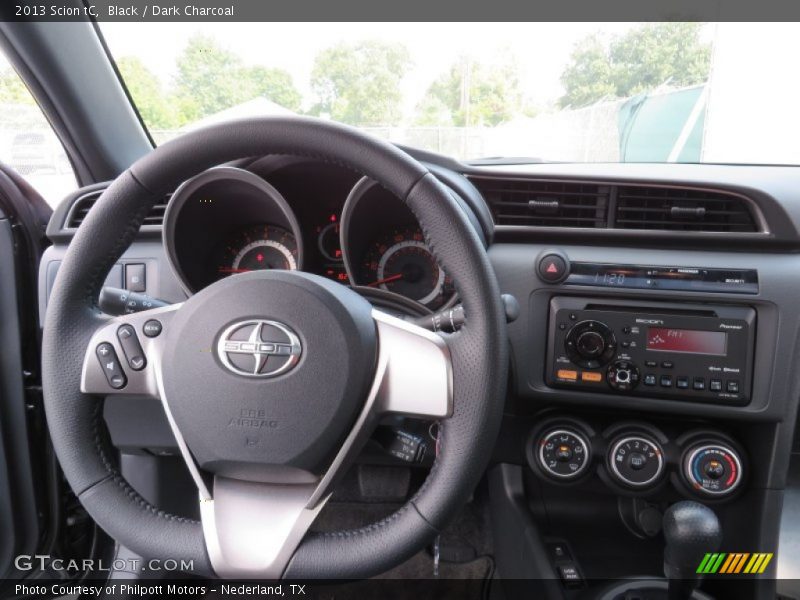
[(546, 203), (678, 209), (83, 204)]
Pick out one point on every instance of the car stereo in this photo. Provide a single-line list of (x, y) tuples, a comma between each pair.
[(697, 353)]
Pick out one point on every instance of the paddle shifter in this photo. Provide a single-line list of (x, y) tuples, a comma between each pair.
[(691, 530)]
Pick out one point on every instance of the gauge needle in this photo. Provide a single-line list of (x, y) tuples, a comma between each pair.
[(386, 280), (231, 270)]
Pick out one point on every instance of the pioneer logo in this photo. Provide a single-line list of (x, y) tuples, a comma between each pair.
[(727, 326), (650, 321)]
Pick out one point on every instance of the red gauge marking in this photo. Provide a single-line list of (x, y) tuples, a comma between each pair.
[(386, 280)]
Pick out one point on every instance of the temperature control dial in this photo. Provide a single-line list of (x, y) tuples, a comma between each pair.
[(563, 453), (712, 469), (590, 344), (623, 376), (636, 461)]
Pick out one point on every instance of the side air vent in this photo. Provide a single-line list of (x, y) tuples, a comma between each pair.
[(678, 209), (80, 208), (538, 203)]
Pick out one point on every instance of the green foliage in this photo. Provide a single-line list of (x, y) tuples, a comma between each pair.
[(145, 89), (639, 60), (209, 79), (473, 93), (359, 83), (12, 90)]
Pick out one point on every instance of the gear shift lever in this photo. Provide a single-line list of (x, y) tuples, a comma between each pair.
[(690, 529)]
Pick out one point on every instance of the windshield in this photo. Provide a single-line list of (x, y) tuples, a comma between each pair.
[(626, 92)]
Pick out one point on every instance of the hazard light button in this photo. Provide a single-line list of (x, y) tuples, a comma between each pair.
[(553, 268)]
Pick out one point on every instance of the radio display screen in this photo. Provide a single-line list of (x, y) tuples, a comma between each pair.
[(688, 341)]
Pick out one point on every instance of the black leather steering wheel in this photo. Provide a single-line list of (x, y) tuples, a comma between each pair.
[(272, 380)]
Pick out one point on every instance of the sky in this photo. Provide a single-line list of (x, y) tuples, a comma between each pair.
[(542, 49)]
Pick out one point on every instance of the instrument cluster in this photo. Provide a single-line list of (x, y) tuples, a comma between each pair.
[(227, 221)]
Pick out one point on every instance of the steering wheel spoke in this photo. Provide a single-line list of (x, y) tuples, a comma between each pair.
[(414, 375), (124, 354)]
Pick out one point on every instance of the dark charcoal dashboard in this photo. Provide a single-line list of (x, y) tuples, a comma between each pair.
[(653, 359)]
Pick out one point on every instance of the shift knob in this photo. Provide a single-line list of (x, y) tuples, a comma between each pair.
[(691, 530)]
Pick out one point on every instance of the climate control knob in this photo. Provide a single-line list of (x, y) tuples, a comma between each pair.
[(636, 461), (590, 344), (623, 376), (712, 469), (563, 453)]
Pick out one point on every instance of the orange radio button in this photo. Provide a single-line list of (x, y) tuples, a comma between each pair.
[(567, 374), (589, 376)]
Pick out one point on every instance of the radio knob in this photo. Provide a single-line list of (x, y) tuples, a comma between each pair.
[(590, 344), (623, 376)]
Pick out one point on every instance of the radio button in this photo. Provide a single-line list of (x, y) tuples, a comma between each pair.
[(733, 386), (567, 374), (650, 363), (622, 376), (592, 376), (666, 381), (667, 364), (649, 379), (715, 385), (699, 383), (682, 383)]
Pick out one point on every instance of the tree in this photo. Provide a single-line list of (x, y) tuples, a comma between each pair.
[(212, 78), (145, 89), (639, 60), (275, 85), (13, 90), (359, 83), (473, 93)]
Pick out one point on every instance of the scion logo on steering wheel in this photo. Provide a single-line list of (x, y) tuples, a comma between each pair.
[(259, 348)]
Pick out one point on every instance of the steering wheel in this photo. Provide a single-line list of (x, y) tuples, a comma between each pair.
[(271, 380)]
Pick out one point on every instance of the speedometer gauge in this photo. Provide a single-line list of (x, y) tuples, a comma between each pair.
[(262, 247), (402, 263)]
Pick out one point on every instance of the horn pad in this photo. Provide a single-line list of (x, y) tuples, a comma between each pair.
[(265, 372)]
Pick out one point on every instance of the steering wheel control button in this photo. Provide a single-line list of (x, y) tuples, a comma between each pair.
[(111, 366), (590, 344), (563, 453), (553, 268), (623, 376), (135, 277), (152, 328), (712, 469), (636, 461), (131, 347)]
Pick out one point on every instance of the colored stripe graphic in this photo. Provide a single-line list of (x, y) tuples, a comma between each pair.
[(735, 562)]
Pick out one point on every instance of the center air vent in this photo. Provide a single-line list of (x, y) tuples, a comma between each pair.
[(546, 203), (679, 209), (80, 208)]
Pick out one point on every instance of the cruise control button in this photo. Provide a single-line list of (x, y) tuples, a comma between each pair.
[(111, 366), (152, 328), (131, 347)]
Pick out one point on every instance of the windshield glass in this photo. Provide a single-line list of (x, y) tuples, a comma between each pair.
[(626, 92)]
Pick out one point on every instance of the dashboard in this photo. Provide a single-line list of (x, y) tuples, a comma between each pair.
[(230, 220), (653, 359)]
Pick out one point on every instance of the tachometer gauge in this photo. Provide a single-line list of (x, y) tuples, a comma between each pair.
[(258, 248), (402, 263)]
